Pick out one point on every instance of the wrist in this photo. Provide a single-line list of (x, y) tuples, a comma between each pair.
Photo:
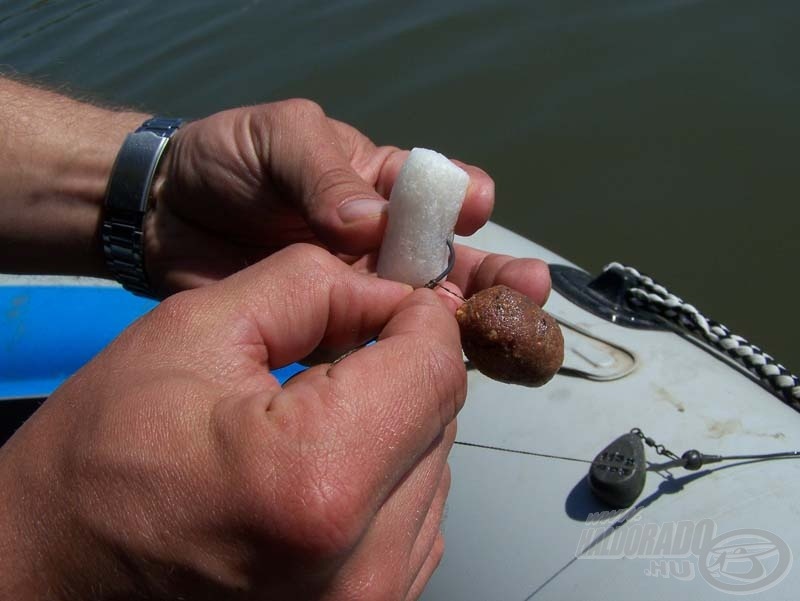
[(82, 205), (55, 158)]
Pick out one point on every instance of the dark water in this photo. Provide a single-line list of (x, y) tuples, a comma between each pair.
[(662, 133)]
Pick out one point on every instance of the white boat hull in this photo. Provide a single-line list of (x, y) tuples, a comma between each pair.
[(516, 523)]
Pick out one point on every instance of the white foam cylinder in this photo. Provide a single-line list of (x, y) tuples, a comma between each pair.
[(423, 209)]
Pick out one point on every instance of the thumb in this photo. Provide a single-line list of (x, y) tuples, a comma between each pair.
[(353, 226), (342, 209), (293, 302)]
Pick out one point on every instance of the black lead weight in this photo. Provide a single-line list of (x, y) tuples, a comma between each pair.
[(617, 474)]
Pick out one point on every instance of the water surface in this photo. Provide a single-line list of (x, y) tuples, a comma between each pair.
[(661, 133)]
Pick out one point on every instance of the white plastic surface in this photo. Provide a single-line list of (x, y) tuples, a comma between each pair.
[(515, 520)]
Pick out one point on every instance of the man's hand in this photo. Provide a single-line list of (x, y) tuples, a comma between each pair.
[(232, 189), (175, 466), (244, 183)]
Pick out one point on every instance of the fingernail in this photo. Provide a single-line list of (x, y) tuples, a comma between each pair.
[(361, 208)]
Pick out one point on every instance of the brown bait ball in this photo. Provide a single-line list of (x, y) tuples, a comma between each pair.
[(510, 338)]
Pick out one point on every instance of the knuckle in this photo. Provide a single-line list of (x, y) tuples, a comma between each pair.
[(300, 108), (326, 517), (336, 182), (332, 519), (451, 433), (311, 516), (315, 261)]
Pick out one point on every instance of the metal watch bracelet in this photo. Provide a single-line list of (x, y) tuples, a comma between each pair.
[(127, 201)]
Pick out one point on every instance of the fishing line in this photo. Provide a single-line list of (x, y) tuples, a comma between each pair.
[(520, 452)]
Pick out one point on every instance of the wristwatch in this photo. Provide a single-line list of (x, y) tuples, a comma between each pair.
[(127, 201)]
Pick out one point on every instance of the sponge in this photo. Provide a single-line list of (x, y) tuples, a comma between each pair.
[(423, 208)]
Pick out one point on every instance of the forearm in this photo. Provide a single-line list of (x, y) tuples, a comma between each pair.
[(56, 155)]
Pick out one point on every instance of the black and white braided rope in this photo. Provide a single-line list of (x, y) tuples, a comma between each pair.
[(658, 299)]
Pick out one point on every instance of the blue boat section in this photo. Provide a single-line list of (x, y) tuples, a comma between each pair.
[(49, 332)]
